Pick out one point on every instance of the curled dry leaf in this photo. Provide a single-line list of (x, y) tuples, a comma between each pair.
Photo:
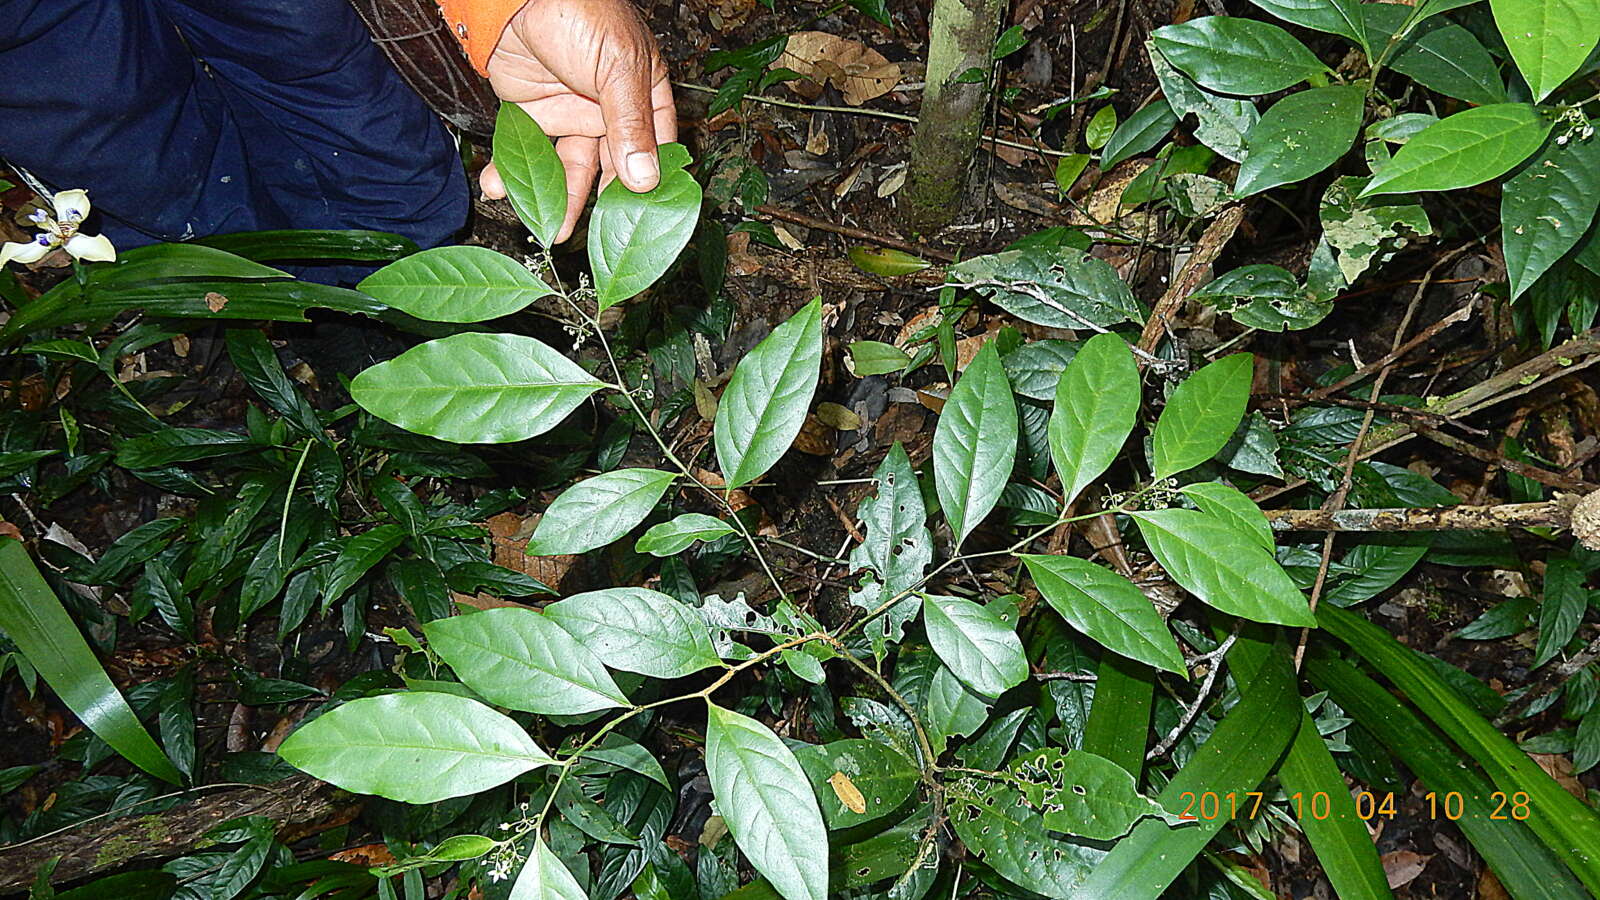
[(858, 71)]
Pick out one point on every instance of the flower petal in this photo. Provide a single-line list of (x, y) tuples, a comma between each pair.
[(32, 251), (71, 206), (91, 248)]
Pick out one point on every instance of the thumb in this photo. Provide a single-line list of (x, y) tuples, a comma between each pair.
[(630, 131), (494, 188)]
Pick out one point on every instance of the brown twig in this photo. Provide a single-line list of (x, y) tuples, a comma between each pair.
[(860, 234), (1423, 336), (1548, 514), (1535, 473), (1206, 251)]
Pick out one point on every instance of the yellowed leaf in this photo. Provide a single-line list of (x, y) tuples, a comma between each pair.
[(847, 792), (858, 71)]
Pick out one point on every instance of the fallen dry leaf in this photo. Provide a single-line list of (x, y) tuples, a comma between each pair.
[(509, 533), (1403, 866), (365, 855), (858, 71), (215, 301), (1560, 768)]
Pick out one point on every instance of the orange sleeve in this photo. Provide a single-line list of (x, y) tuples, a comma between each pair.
[(477, 24)]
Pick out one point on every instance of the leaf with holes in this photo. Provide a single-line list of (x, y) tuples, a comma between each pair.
[(1201, 415), (764, 406), (1084, 795), (1462, 150), (975, 443), (1220, 122), (881, 777), (1108, 608), (456, 284), (1097, 402), (896, 548), (1237, 56), (978, 646), (596, 511), (522, 660)]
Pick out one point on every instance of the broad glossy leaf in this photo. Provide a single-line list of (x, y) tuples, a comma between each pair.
[(876, 358), (415, 747), (1201, 415), (1299, 136), (975, 443), (1341, 17), (32, 617), (633, 238), (1097, 402), (475, 388), (1084, 795), (357, 555), (1107, 607), (761, 411), (456, 284), (1035, 368), (596, 511), (1142, 131), (1547, 205), (1549, 39), (1462, 150), (518, 658), (979, 647), (1225, 569), (880, 776), (637, 630), (1220, 122), (1100, 127), (1068, 170), (1229, 505), (1439, 55), (766, 800), (950, 709), (1058, 287), (1237, 56), (545, 877), (677, 535), (535, 180)]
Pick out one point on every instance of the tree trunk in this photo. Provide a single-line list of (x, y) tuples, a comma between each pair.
[(961, 35)]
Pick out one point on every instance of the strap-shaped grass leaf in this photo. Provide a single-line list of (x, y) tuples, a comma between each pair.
[(880, 776), (519, 659), (1237, 756), (1228, 504), (637, 630), (1237, 56), (1142, 131), (415, 747), (676, 535), (1462, 150), (1525, 866), (1548, 39), (1119, 715), (1563, 822), (1097, 403), (1201, 415), (1221, 566), (1299, 136), (535, 180), (766, 800), (1084, 795), (456, 284), (1057, 287), (475, 388), (1546, 206), (975, 443), (34, 619), (978, 646), (1341, 17), (1438, 55), (765, 403), (633, 238), (545, 877), (596, 511), (1107, 607)]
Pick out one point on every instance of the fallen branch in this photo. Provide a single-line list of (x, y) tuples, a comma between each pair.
[(1558, 513)]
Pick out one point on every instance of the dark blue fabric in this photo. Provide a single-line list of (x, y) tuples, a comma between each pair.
[(186, 118)]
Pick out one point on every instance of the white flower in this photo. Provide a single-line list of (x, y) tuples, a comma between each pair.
[(61, 230)]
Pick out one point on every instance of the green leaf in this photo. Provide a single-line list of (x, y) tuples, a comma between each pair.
[(1504, 619), (1439, 55), (415, 747), (519, 659), (633, 238), (1107, 607), (1341, 17), (34, 619), (1360, 233), (1096, 404), (1547, 205), (979, 647), (886, 261), (1220, 122), (475, 388), (1084, 795), (596, 511), (253, 356), (1119, 713), (975, 443), (1069, 168), (1375, 566), (1549, 39), (1462, 150), (456, 284), (761, 411), (545, 877), (1201, 415), (353, 245), (1057, 287), (1229, 505), (1264, 296), (175, 445), (994, 820), (535, 180), (1299, 136), (1142, 131), (1237, 56), (766, 800), (1223, 567), (461, 847), (1561, 611), (1035, 368), (896, 547), (1100, 127), (359, 554), (637, 630), (676, 536), (882, 776), (876, 358)]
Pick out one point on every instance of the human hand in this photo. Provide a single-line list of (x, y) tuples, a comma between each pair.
[(589, 72)]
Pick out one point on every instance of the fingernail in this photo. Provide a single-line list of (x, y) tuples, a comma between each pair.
[(642, 167)]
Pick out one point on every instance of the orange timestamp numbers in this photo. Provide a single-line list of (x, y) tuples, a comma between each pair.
[(1212, 805)]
